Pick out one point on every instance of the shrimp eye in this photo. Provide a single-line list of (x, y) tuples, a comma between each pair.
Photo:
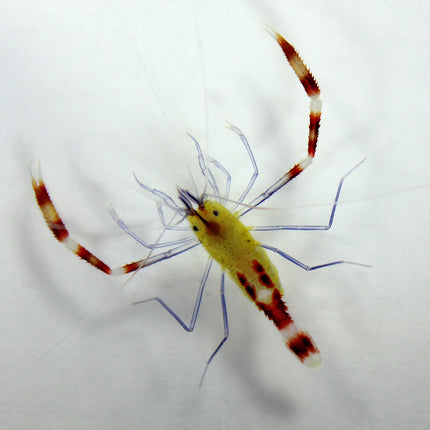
[(195, 228), (216, 213)]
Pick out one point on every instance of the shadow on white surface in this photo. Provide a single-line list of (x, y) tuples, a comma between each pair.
[(98, 90)]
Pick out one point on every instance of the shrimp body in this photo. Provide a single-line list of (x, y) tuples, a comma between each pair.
[(230, 243), (226, 239)]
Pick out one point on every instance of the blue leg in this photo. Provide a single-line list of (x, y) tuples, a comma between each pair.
[(206, 172), (305, 266), (164, 198), (127, 229), (169, 226), (226, 332), (196, 309), (312, 227), (245, 142), (221, 168)]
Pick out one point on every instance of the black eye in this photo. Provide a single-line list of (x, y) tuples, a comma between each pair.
[(195, 228), (215, 213)]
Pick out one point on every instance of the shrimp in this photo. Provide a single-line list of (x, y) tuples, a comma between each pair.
[(221, 232)]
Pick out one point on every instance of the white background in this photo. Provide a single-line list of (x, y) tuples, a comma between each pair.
[(97, 90)]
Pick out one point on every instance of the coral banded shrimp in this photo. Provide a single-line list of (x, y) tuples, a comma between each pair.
[(220, 231)]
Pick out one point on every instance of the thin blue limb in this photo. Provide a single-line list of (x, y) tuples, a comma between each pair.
[(206, 172), (226, 331), (153, 259), (220, 167), (127, 229), (168, 226), (191, 325), (312, 227), (275, 187), (165, 198), (245, 142), (305, 266)]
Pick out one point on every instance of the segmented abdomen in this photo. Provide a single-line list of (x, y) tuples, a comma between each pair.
[(259, 281)]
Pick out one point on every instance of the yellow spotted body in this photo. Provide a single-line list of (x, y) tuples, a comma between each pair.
[(230, 243)]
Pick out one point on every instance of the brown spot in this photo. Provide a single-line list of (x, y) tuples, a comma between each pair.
[(314, 125), (294, 171), (59, 230), (302, 346), (288, 49), (49, 212), (131, 267), (213, 228), (250, 289), (242, 278), (262, 275), (310, 85), (41, 192), (258, 268), (277, 310), (266, 281), (92, 259)]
